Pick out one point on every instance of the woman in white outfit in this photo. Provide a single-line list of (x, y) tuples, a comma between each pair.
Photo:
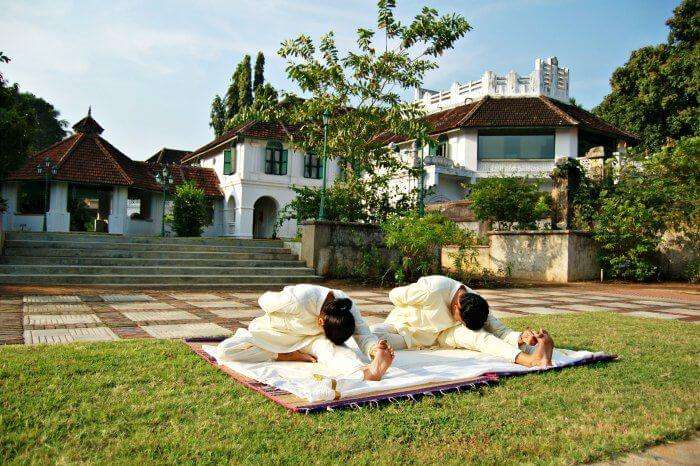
[(309, 323)]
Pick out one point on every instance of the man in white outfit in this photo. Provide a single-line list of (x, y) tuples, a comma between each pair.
[(309, 323), (437, 310)]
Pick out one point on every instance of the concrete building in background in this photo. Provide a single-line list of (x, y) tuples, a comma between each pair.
[(96, 188), (510, 125), (257, 168)]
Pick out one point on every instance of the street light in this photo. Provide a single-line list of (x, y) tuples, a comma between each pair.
[(322, 209), (48, 169), (421, 189), (164, 179)]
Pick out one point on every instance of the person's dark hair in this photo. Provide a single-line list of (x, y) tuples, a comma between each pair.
[(474, 310), (338, 322)]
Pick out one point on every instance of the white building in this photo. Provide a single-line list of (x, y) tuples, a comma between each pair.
[(257, 168), (95, 187), (510, 125)]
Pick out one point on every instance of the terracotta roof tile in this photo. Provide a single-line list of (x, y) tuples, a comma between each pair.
[(519, 112), (252, 129), (90, 159), (166, 155)]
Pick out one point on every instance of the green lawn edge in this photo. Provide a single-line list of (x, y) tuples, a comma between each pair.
[(156, 402)]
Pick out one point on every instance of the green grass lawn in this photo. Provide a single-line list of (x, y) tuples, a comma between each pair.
[(154, 401)]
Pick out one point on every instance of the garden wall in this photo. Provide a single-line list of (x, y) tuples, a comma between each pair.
[(551, 256), (334, 249)]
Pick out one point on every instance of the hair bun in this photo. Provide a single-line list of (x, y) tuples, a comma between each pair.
[(342, 305)]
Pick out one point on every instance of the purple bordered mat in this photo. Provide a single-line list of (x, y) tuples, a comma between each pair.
[(300, 405)]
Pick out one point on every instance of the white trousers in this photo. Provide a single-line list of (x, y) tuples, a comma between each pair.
[(326, 352), (455, 337)]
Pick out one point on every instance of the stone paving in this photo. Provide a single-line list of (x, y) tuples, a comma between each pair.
[(88, 315)]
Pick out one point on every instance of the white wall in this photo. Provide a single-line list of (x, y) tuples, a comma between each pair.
[(566, 143), (250, 182)]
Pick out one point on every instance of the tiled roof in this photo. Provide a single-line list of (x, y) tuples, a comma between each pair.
[(166, 155), (519, 112), (252, 129), (90, 159)]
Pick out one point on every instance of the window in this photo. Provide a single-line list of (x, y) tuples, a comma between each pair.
[(139, 204), (275, 159), (313, 166), (30, 198), (439, 149), (514, 145), (230, 161)]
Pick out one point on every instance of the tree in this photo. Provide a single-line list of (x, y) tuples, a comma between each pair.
[(508, 202), (259, 77), (655, 93), (190, 210), (17, 127), (368, 81), (217, 117), (49, 128), (245, 88), (231, 102), (362, 90)]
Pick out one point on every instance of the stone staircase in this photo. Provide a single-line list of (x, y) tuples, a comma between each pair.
[(148, 262)]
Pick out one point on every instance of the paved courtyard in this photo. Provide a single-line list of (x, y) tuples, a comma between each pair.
[(90, 315)]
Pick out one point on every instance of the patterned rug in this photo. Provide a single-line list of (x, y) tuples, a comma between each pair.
[(303, 406)]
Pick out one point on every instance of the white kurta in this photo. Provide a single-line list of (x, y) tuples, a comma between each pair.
[(290, 323), (422, 317)]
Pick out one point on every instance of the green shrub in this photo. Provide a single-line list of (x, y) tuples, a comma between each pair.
[(191, 210), (653, 194), (418, 242), (509, 202)]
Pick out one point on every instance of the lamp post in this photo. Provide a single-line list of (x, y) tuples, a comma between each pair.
[(48, 169), (421, 188), (322, 208), (164, 179)]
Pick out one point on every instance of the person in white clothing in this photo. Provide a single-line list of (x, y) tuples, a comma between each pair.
[(309, 323), (440, 311)]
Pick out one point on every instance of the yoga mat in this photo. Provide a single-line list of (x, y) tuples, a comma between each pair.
[(299, 404)]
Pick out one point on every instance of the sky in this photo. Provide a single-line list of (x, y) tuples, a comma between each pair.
[(150, 69)]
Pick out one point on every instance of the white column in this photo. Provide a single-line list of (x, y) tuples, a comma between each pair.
[(156, 213), (470, 148), (566, 143), (117, 216), (58, 218), (244, 222), (9, 193)]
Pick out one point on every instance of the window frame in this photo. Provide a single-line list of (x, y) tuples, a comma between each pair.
[(310, 167), (276, 159), (515, 132), (43, 199)]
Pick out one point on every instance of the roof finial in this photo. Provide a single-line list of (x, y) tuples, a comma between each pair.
[(90, 110)]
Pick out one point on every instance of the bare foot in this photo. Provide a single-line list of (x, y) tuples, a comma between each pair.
[(296, 356), (545, 345), (383, 357)]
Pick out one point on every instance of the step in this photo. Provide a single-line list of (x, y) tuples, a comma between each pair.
[(157, 271), (29, 253), (253, 261), (26, 244), (148, 281), (114, 239)]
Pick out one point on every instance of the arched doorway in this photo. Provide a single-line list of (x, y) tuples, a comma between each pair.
[(264, 217)]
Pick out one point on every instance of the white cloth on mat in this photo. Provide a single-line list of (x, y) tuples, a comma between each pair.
[(411, 368)]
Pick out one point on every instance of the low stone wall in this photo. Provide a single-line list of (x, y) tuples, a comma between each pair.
[(335, 248), (550, 256)]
